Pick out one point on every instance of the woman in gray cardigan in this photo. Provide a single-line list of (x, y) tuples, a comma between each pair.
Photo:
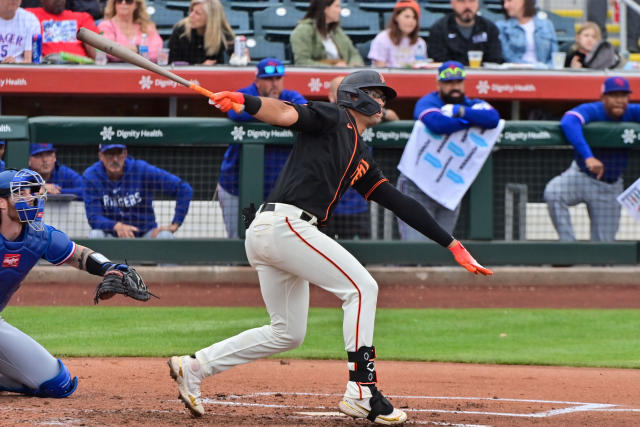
[(319, 40)]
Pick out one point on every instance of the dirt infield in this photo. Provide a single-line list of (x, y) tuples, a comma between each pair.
[(139, 391)]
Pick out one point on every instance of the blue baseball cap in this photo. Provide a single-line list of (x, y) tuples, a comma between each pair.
[(616, 84), (270, 67), (5, 181), (2, 142), (451, 70), (105, 147), (40, 148)]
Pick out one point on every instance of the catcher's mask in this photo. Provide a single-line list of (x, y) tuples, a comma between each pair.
[(28, 193), (353, 85)]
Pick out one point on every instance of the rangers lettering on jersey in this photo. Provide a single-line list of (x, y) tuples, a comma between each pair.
[(125, 201), (11, 260)]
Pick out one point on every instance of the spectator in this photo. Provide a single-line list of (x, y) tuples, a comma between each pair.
[(351, 216), (125, 22), (589, 51), (525, 37), (118, 196), (269, 82), (17, 27), (318, 39), (399, 45), (92, 7), (59, 179), (3, 145), (204, 37), (595, 176), (59, 28), (445, 111), (462, 30)]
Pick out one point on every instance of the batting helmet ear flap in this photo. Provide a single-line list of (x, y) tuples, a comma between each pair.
[(352, 86)]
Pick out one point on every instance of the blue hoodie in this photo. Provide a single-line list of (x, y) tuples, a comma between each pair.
[(129, 200), (69, 181)]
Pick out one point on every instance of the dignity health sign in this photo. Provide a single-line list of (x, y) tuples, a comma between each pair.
[(445, 166)]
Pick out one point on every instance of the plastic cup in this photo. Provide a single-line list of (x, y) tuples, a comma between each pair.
[(101, 57), (475, 58), (163, 56), (558, 59)]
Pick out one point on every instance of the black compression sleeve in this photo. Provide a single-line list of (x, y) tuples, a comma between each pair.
[(97, 264), (252, 104), (411, 212)]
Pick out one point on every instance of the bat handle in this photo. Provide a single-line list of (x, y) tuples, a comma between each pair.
[(238, 108)]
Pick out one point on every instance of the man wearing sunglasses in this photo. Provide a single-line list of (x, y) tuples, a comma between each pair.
[(269, 82), (445, 111), (59, 28), (288, 250)]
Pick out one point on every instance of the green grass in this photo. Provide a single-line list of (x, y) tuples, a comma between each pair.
[(602, 338)]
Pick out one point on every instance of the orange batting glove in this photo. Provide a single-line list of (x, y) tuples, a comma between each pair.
[(464, 258), (225, 100)]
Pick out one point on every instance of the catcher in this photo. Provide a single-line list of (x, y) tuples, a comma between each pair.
[(25, 366)]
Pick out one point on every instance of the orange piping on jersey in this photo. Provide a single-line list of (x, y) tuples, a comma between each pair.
[(376, 185), (355, 148), (341, 271)]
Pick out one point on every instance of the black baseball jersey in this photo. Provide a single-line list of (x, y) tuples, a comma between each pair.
[(328, 156)]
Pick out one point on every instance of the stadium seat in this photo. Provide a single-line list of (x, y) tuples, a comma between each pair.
[(426, 21), (359, 24), (565, 29), (492, 5), (239, 21), (163, 17), (276, 22), (363, 48), (249, 5), (491, 15), (439, 6), (260, 48), (182, 5)]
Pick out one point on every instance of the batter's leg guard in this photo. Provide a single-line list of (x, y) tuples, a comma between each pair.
[(62, 385), (371, 405)]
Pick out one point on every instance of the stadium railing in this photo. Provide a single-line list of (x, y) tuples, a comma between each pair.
[(527, 155)]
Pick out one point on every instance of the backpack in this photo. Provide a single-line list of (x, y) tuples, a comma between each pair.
[(602, 57)]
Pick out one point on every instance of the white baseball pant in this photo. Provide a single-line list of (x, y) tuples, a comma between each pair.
[(288, 253)]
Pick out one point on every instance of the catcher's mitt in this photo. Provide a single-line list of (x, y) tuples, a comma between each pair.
[(122, 279)]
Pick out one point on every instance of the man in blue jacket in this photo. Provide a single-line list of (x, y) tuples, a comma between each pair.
[(269, 82), (60, 179), (118, 196), (595, 175), (445, 111), (3, 145)]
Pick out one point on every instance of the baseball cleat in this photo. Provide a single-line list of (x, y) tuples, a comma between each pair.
[(361, 408), (188, 384)]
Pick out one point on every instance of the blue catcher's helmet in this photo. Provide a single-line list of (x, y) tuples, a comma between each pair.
[(28, 193), (353, 84)]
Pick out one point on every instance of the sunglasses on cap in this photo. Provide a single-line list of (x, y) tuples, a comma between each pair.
[(125, 1), (273, 69), (375, 94), (447, 73)]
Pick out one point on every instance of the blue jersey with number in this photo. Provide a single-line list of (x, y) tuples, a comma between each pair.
[(19, 256)]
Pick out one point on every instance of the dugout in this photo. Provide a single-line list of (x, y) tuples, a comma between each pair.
[(499, 221)]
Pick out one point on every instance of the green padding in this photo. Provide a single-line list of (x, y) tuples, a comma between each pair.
[(192, 251), (190, 131), (14, 127)]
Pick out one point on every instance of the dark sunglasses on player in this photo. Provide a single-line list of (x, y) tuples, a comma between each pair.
[(125, 1), (273, 69)]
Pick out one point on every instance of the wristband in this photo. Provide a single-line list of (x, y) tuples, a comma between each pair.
[(97, 264), (252, 104)]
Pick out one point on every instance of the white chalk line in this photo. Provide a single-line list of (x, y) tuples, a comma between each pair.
[(577, 406)]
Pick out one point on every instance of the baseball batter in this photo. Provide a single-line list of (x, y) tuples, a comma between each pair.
[(25, 366), (288, 251)]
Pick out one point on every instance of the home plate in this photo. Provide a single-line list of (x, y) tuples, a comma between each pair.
[(323, 414)]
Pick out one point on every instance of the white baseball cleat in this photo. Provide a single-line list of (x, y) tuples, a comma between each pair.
[(360, 408), (188, 383)]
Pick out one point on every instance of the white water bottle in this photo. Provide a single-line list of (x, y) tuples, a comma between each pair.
[(143, 49)]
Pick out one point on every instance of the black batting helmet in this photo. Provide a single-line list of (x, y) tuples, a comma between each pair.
[(353, 84)]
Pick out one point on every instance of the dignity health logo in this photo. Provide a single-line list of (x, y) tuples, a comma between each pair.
[(107, 133)]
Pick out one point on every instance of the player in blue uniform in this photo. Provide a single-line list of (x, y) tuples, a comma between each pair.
[(25, 366), (118, 196), (595, 175), (445, 111), (269, 82), (60, 179)]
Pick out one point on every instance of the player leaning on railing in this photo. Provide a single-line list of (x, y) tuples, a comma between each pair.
[(285, 246)]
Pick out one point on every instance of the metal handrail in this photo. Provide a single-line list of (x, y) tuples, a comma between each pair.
[(622, 5)]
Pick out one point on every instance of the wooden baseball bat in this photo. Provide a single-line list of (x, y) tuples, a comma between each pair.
[(119, 51)]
